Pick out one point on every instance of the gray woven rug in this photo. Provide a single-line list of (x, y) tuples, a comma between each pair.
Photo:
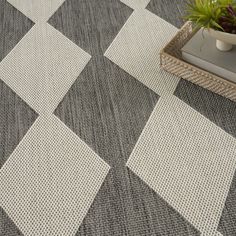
[(95, 139)]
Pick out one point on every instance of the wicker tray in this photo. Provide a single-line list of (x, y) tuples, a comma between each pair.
[(171, 61)]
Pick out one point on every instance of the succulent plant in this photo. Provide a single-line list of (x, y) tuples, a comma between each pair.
[(215, 14), (228, 21)]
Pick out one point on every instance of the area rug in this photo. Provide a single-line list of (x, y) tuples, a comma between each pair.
[(96, 139)]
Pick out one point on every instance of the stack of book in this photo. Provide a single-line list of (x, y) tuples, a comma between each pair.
[(201, 51)]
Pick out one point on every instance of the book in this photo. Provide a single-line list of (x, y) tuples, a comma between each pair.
[(201, 51)]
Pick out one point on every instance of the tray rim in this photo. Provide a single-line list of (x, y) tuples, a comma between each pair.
[(164, 53)]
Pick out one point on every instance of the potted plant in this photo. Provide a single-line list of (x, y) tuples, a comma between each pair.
[(218, 16)]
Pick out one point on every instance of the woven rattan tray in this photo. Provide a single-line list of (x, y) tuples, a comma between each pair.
[(171, 61)]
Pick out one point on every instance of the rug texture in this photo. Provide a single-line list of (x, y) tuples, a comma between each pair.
[(96, 139)]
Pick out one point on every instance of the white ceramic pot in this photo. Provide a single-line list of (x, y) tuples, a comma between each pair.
[(224, 41)]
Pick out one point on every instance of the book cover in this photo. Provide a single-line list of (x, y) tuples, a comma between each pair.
[(201, 51)]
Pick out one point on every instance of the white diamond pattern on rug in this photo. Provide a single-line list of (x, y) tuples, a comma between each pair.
[(50, 180), (136, 4), (187, 160), (216, 234), (37, 10), (42, 67), (136, 50)]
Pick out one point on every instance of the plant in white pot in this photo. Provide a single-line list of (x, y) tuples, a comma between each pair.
[(218, 16)]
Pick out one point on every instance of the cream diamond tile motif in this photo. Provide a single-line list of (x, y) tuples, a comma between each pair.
[(136, 50), (50, 180), (42, 67), (37, 10), (214, 234), (187, 160), (136, 4)]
